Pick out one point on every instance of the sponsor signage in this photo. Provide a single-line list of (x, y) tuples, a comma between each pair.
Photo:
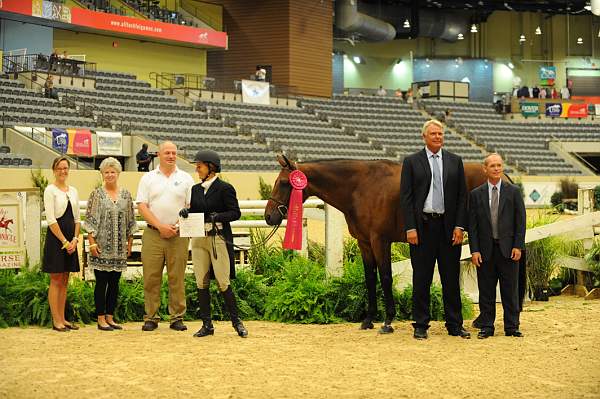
[(553, 109), (109, 143), (116, 23), (574, 110), (72, 141), (530, 109), (255, 92), (12, 242), (547, 75)]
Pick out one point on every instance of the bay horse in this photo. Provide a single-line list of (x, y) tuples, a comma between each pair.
[(368, 194)]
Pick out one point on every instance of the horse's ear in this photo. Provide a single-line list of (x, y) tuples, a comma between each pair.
[(283, 161)]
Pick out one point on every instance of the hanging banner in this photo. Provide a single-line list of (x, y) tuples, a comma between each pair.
[(578, 111), (36, 133), (254, 92), (547, 75), (101, 21), (530, 109), (109, 143), (60, 140), (553, 109), (12, 241), (79, 142)]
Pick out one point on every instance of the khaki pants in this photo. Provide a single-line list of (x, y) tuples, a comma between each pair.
[(156, 252), (203, 257)]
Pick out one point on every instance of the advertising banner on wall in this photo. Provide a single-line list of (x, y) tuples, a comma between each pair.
[(12, 240), (553, 109), (109, 143), (254, 92), (530, 109), (597, 106), (547, 75), (60, 140), (101, 21), (574, 110), (80, 142)]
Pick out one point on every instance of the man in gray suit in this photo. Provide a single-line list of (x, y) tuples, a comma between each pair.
[(496, 237)]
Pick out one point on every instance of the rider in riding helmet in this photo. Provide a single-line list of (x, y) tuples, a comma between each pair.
[(213, 255)]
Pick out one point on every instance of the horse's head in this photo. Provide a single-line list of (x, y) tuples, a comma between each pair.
[(277, 206)]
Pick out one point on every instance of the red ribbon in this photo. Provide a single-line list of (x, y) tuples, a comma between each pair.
[(293, 231)]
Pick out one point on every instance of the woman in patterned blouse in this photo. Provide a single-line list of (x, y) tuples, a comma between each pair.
[(110, 223)]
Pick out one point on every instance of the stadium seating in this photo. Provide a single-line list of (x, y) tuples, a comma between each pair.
[(152, 113), (22, 106), (11, 160), (524, 143), (391, 123)]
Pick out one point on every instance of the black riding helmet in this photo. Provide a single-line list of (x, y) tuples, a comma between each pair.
[(209, 156)]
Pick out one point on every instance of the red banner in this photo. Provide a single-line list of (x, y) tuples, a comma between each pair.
[(578, 111), (18, 6), (129, 25), (80, 142)]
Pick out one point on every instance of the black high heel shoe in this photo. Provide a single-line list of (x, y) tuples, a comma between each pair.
[(71, 327), (60, 329)]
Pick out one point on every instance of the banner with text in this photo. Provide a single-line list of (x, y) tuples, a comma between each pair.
[(574, 110), (254, 92), (553, 109), (109, 143), (60, 140), (80, 142), (530, 109), (547, 75), (116, 23), (12, 240)]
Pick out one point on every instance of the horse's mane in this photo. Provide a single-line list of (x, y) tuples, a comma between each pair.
[(346, 160)]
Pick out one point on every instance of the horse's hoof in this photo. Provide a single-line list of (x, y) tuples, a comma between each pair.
[(367, 325), (386, 329)]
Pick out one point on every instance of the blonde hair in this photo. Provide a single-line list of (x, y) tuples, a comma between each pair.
[(110, 162), (431, 122)]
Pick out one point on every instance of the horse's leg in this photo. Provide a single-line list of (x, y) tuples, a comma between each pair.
[(382, 251), (370, 282)]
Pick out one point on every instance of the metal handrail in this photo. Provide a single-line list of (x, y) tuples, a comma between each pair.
[(44, 63)]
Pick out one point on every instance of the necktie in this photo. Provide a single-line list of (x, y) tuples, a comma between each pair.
[(494, 212), (437, 202)]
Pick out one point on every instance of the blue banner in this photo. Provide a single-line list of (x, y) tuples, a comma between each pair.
[(553, 109), (60, 140)]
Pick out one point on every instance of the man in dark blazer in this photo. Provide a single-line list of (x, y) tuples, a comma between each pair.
[(496, 237), (433, 196), (213, 254)]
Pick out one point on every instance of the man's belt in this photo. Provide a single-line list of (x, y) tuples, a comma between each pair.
[(151, 227), (432, 215)]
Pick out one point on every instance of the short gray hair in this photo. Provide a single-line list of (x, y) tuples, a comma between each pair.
[(431, 122), (492, 154), (110, 162)]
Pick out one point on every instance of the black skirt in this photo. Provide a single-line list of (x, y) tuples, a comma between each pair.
[(56, 259)]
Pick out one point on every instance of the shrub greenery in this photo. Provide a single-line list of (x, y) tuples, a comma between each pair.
[(279, 285)]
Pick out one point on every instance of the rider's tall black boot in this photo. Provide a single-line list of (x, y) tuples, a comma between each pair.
[(231, 305), (207, 326)]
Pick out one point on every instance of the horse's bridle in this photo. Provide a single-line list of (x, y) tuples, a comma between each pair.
[(280, 205)]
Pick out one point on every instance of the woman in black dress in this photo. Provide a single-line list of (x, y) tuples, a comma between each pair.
[(61, 204)]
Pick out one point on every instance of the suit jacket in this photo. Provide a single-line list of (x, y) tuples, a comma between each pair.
[(220, 199), (511, 220), (416, 180)]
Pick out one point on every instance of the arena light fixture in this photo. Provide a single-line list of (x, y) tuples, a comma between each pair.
[(579, 40), (522, 39), (460, 36), (358, 59), (473, 28), (538, 31), (510, 65), (406, 24)]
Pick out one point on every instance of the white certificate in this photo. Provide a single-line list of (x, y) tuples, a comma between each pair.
[(192, 226)]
